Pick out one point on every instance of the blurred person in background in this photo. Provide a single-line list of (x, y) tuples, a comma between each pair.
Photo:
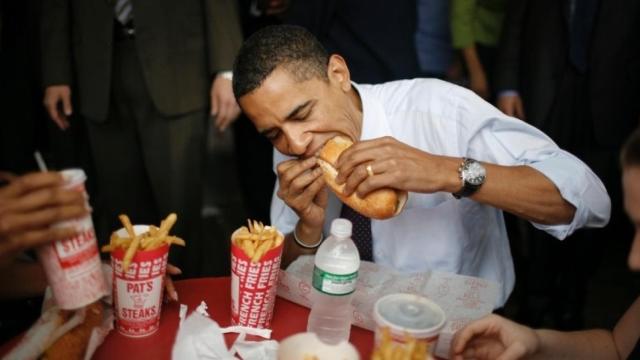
[(376, 37), (495, 337), (571, 68), (433, 39), (475, 31), (145, 77)]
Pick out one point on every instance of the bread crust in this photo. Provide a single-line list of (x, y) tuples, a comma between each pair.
[(379, 204), (73, 344)]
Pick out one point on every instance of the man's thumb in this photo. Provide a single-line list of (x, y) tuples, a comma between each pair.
[(66, 104)]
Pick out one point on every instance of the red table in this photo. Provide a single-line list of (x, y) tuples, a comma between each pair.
[(288, 319)]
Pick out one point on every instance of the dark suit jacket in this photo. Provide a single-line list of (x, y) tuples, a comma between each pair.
[(534, 53), (181, 44), (376, 37)]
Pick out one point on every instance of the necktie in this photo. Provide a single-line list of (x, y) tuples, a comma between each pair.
[(124, 11), (361, 232)]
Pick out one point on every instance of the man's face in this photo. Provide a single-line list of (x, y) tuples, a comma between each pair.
[(298, 117), (631, 186)]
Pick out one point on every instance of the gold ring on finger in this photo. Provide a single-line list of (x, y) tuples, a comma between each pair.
[(370, 170)]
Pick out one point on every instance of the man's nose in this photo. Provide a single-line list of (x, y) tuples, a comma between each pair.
[(297, 141)]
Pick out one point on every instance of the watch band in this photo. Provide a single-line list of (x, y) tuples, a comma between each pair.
[(466, 191)]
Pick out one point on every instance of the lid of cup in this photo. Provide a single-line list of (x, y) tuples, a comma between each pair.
[(73, 177), (414, 314)]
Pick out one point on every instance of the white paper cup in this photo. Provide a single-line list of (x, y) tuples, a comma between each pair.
[(137, 293), (72, 265), (253, 286), (307, 345), (408, 315)]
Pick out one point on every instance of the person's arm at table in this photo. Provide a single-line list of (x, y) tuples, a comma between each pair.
[(494, 336)]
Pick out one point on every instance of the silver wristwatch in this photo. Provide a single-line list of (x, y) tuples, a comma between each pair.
[(472, 175)]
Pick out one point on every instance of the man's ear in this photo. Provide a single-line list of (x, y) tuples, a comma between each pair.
[(338, 72)]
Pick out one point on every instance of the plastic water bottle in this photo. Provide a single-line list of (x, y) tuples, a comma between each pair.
[(334, 280)]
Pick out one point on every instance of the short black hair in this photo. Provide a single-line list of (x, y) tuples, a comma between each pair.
[(630, 154), (290, 46)]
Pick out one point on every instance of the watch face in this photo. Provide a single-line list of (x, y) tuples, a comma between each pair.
[(475, 173)]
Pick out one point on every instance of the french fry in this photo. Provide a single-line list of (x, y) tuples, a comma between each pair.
[(256, 239), (124, 219), (175, 240), (107, 248), (167, 224), (410, 349), (155, 243), (131, 251), (261, 250), (248, 248), (150, 240), (279, 240)]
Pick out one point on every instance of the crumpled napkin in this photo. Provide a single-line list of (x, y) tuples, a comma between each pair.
[(200, 337)]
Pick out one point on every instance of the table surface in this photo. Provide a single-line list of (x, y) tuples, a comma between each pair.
[(288, 318)]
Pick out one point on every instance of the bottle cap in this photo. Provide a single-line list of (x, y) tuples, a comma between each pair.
[(341, 228)]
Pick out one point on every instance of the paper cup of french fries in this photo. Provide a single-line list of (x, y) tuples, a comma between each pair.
[(139, 260), (407, 327), (256, 251)]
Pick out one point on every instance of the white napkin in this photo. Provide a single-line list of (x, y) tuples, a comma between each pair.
[(200, 337)]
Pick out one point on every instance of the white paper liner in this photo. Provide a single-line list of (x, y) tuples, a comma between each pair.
[(463, 298)]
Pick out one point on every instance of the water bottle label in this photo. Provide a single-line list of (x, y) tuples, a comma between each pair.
[(333, 284)]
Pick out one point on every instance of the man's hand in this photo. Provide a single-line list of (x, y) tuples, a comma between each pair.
[(511, 105), (55, 95), (494, 337), (170, 289), (478, 83), (29, 205), (301, 187), (224, 107), (387, 163)]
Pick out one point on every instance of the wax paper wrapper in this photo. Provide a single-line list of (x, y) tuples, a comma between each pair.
[(463, 298), (47, 329)]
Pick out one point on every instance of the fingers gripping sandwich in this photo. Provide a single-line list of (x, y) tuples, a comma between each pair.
[(379, 204)]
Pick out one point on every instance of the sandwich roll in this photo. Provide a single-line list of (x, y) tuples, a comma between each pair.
[(379, 204), (73, 344)]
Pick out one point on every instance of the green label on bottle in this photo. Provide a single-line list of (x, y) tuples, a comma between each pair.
[(333, 284)]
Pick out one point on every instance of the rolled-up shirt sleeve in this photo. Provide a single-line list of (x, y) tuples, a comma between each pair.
[(487, 134), (580, 187)]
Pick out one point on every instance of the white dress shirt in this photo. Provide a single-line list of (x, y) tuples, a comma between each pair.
[(436, 231)]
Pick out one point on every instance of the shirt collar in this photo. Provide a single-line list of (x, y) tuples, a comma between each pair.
[(374, 119)]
